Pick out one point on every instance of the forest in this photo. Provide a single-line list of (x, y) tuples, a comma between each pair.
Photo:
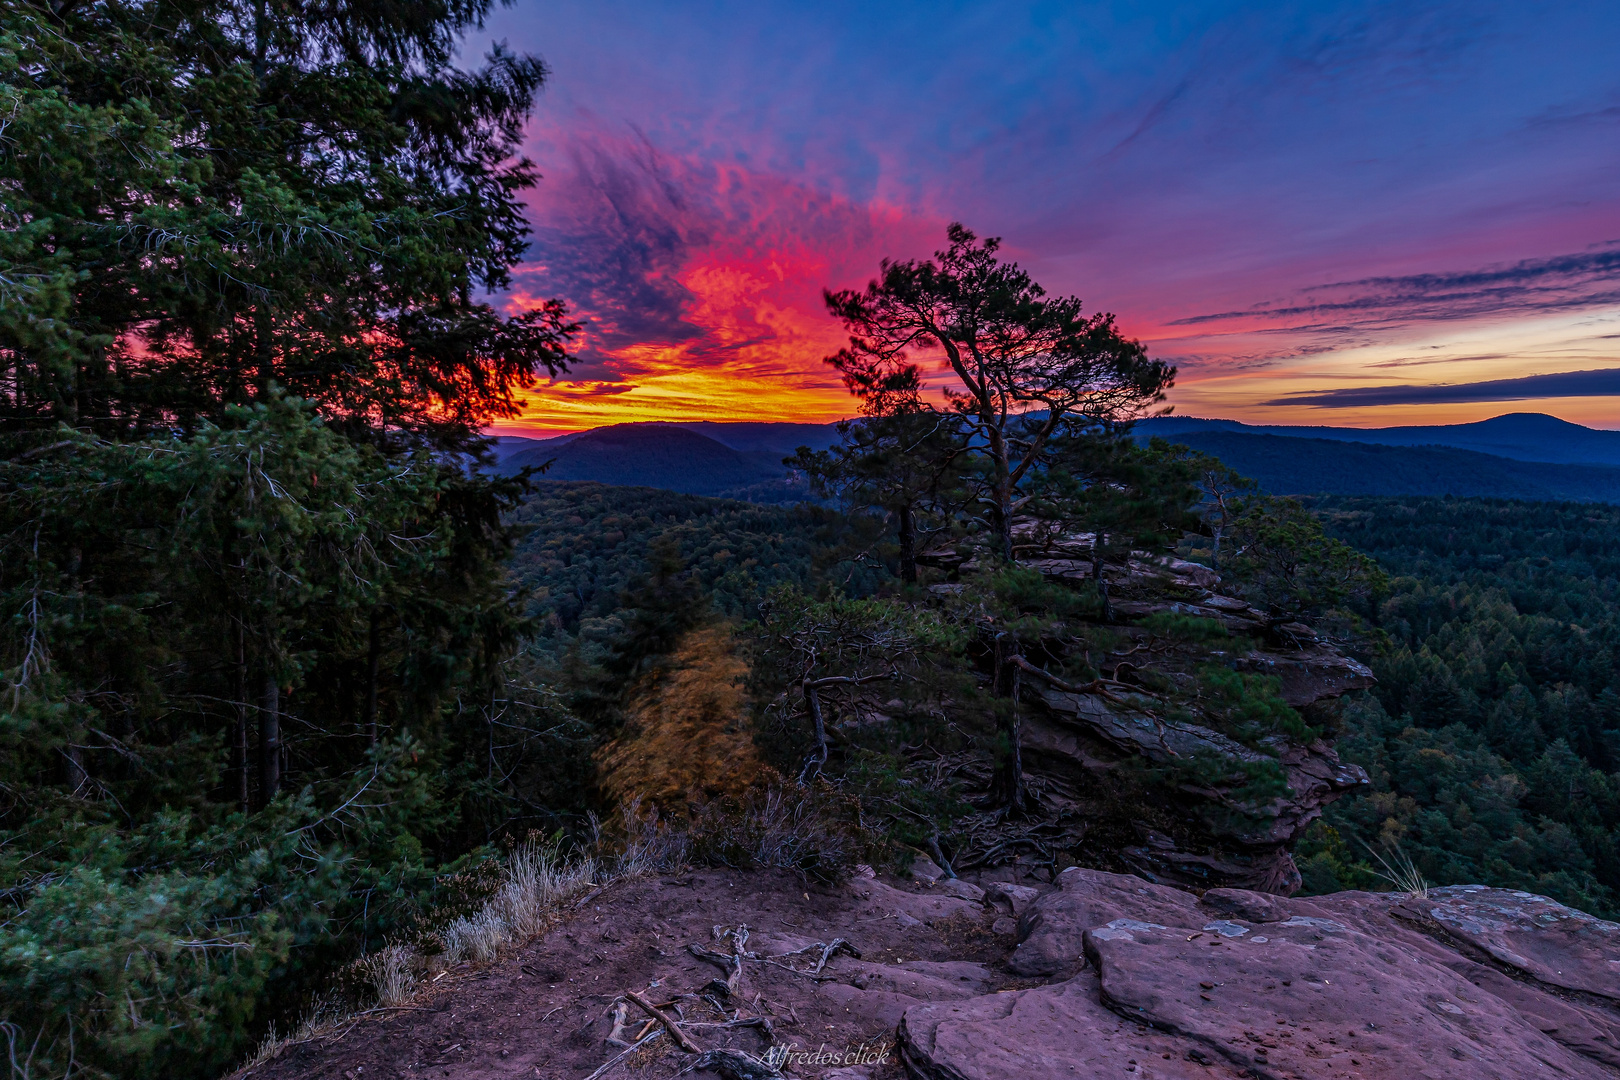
[(1493, 736), (291, 671)]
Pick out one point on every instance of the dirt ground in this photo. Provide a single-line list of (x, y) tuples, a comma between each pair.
[(547, 1010)]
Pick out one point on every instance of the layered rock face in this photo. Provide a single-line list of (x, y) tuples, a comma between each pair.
[(1222, 839), (1467, 982), (1165, 784)]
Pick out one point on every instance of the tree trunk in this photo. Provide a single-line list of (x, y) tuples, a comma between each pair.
[(373, 655), (815, 761), (908, 547), (269, 740), (1097, 576), (239, 739), (1001, 490), (1007, 784), (78, 777)]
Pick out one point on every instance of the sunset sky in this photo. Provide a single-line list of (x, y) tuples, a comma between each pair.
[(1354, 214)]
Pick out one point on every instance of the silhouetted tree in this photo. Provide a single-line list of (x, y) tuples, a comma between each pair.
[(1027, 365)]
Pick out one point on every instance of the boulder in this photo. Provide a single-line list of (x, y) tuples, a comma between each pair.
[(1242, 904), (1013, 898), (1540, 937), (962, 890), (880, 899), (1051, 933)]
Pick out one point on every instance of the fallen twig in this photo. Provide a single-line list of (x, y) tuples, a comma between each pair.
[(622, 1054), (761, 1022), (731, 965), (828, 951), (680, 1037)]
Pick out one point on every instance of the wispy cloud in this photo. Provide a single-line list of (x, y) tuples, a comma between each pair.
[(699, 283), (1564, 384)]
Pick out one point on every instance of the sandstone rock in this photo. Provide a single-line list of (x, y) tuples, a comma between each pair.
[(1311, 997), (1060, 569), (964, 890), (1058, 1032), (885, 991), (1312, 674), (1088, 733), (1243, 904), (1541, 937), (1014, 898), (1052, 931), (925, 869), (882, 899)]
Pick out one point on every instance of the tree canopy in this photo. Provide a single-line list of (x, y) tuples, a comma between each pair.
[(204, 199)]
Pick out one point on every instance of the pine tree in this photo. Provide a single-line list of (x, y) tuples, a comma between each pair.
[(252, 588)]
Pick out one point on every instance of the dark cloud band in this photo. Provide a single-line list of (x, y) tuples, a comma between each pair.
[(1598, 383), (1533, 286)]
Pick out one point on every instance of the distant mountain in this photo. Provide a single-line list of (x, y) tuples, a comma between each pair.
[(1520, 436), (507, 445), (780, 439), (749, 437), (1293, 466), (744, 460), (666, 456)]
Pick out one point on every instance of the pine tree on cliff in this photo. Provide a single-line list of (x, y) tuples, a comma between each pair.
[(1028, 366)]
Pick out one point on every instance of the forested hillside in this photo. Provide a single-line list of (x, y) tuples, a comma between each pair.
[(293, 682), (1285, 465), (1493, 734), (580, 547)]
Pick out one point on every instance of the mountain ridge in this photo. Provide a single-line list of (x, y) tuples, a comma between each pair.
[(1517, 436)]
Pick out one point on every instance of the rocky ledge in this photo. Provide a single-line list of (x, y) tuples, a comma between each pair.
[(1206, 833), (1095, 975)]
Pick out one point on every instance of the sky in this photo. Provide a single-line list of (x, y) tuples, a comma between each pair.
[(1358, 214)]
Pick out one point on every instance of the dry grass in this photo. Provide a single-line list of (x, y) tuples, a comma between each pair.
[(326, 1016), (534, 887), (1400, 872), (391, 973)]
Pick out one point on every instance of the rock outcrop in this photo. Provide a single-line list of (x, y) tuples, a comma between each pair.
[(1225, 840), (1167, 789)]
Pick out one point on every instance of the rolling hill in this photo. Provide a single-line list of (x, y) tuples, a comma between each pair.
[(665, 456), (1285, 465)]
